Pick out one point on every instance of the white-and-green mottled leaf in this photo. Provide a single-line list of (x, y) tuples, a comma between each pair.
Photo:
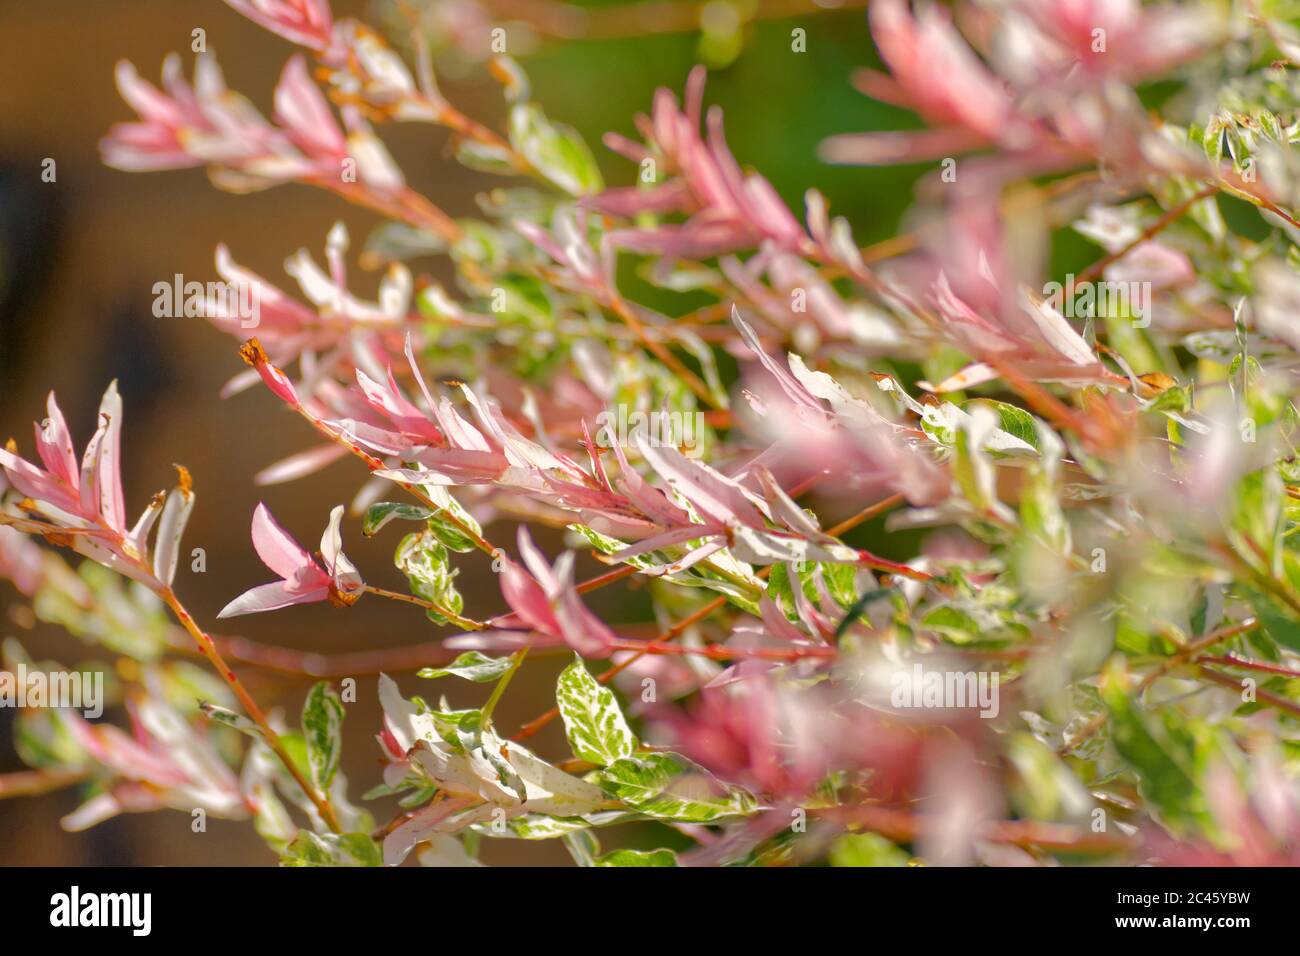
[(380, 513), (555, 150), (583, 846), (332, 849), (398, 242), (471, 665), (638, 858), (540, 826), (595, 725), (866, 849), (607, 545), (322, 724), (1017, 431), (423, 558), (450, 523), (670, 787)]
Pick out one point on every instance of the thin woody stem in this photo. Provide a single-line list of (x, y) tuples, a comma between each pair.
[(468, 624), (1183, 656), (1231, 660), (1170, 217), (1273, 700), (291, 662), (516, 659), (407, 206), (209, 650), (866, 514)]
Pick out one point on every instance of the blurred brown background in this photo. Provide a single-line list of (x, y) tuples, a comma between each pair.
[(78, 258)]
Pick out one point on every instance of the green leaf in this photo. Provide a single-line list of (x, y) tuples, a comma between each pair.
[(858, 606), (229, 718), (397, 242), (670, 787), (1256, 515), (779, 589), (486, 158), (322, 723), (1212, 140), (427, 566), (1237, 146), (971, 466), (638, 858), (296, 747), (525, 298), (332, 849), (1040, 498), (866, 849), (841, 583), (1016, 422), (418, 796), (1175, 398), (583, 846), (471, 665), (1269, 125), (540, 826), (607, 545), (1132, 637), (839, 580), (593, 721), (482, 244), (1277, 621), (271, 820), (953, 624), (1162, 762), (554, 150), (448, 524), (378, 515), (1043, 787)]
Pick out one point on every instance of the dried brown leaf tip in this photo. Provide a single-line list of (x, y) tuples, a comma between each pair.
[(1153, 383), (253, 353), (342, 598)]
